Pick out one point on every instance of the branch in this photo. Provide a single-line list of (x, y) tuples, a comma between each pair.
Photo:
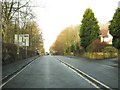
[(19, 8), (10, 8)]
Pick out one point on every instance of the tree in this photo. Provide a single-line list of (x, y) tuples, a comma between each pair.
[(73, 48), (65, 39), (114, 28), (36, 40), (89, 29), (11, 12), (17, 18)]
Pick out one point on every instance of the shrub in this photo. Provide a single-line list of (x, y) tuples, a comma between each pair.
[(110, 51), (96, 46), (9, 53)]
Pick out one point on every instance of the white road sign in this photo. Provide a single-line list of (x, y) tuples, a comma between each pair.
[(22, 39)]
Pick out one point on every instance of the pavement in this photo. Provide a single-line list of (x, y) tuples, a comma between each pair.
[(10, 68), (110, 62)]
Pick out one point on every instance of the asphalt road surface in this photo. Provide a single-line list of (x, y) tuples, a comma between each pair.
[(99, 71), (49, 72)]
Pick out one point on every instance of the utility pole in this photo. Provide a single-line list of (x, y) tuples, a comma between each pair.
[(26, 28), (18, 33)]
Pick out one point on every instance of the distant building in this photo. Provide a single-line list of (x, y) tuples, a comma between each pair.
[(105, 35)]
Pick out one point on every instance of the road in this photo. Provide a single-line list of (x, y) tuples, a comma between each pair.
[(50, 72), (99, 71)]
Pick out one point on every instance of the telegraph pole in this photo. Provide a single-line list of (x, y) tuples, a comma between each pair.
[(26, 28), (18, 33)]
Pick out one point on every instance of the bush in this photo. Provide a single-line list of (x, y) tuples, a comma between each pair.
[(96, 46), (98, 50), (9, 53), (110, 51), (94, 55)]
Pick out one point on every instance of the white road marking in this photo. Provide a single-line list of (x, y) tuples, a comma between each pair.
[(81, 76)]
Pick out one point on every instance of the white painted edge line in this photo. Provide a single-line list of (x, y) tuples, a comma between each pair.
[(15, 74), (81, 76), (88, 76)]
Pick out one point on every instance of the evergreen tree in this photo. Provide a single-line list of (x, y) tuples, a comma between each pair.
[(89, 30), (114, 28)]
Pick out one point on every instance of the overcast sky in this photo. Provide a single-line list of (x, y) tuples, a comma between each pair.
[(54, 15)]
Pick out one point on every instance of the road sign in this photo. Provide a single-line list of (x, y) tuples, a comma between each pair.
[(22, 39)]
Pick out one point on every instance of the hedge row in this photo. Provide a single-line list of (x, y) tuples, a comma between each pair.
[(9, 53)]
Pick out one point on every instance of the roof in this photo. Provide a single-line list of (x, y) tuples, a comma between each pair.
[(104, 32)]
